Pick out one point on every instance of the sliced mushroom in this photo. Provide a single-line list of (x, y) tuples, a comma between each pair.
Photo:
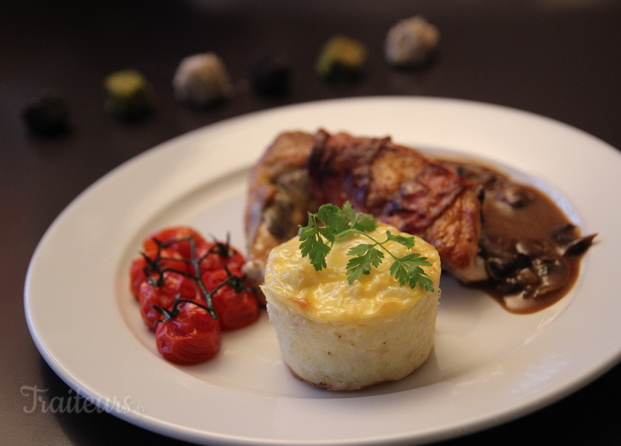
[(515, 196), (503, 267), (579, 245), (569, 240), (528, 247), (554, 274), (564, 234)]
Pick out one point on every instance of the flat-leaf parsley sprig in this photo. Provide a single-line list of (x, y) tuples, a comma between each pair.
[(332, 223)]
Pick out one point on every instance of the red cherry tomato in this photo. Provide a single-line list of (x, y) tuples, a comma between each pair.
[(163, 295), (235, 304), (217, 256), (188, 337), (137, 275), (171, 295), (154, 262), (175, 238)]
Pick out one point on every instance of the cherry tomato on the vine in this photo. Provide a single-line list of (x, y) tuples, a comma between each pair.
[(190, 336), (154, 262), (163, 295), (189, 290), (235, 304), (175, 238), (217, 256)]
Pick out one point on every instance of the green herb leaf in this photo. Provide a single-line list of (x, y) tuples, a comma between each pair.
[(332, 223), (366, 258), (334, 219), (408, 270), (366, 224), (408, 242), (312, 243)]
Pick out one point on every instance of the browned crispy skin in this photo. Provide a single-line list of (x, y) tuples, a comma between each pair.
[(401, 187)]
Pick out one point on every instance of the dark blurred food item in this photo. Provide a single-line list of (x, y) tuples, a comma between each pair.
[(341, 59), (269, 75), (128, 95), (46, 115), (411, 42), (201, 81)]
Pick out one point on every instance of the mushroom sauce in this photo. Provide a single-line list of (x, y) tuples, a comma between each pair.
[(530, 249)]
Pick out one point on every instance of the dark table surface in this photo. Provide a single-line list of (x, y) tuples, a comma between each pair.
[(558, 58)]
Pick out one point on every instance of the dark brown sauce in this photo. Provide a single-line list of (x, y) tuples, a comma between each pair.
[(531, 250)]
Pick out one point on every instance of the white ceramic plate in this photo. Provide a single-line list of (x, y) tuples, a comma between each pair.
[(487, 366)]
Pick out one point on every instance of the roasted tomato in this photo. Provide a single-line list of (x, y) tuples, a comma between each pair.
[(188, 334), (154, 263), (176, 238), (218, 255), (189, 290), (162, 294), (233, 301), (137, 275)]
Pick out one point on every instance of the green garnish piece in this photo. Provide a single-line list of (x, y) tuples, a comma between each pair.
[(331, 224)]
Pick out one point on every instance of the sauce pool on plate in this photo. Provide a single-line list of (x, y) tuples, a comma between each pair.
[(530, 249)]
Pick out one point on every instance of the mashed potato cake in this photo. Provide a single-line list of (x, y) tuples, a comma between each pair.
[(346, 337)]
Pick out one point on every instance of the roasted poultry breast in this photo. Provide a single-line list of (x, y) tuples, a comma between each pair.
[(397, 185), (278, 200)]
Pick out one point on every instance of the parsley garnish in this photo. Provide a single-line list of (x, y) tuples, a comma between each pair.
[(337, 223)]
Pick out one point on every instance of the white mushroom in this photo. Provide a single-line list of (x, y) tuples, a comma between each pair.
[(411, 42), (201, 80)]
